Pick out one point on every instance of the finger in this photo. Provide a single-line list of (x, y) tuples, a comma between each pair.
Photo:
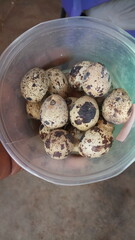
[(5, 163), (15, 168), (127, 127)]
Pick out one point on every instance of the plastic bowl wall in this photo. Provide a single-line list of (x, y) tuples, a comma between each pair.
[(64, 42)]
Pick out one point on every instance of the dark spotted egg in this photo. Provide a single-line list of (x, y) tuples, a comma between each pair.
[(58, 144), (54, 112), (84, 113), (96, 80)]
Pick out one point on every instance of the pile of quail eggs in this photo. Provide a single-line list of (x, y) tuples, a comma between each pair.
[(77, 110)]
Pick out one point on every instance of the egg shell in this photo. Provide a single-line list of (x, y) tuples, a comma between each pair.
[(58, 144), (117, 107), (43, 131), (77, 135), (58, 83), (96, 80), (54, 112), (84, 113), (96, 142), (103, 124), (34, 85), (33, 109), (70, 102), (77, 73)]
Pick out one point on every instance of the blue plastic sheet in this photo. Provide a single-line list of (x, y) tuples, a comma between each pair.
[(76, 7)]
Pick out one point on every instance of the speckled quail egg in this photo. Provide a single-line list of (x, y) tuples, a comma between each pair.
[(96, 80), (76, 74), (34, 85), (117, 107), (84, 113), (58, 144), (54, 112), (96, 142), (58, 83), (77, 135), (102, 123), (70, 102), (33, 109), (43, 131)]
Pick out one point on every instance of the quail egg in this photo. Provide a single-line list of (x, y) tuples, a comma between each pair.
[(77, 73), (117, 107), (70, 102), (33, 109), (54, 112), (58, 144), (85, 113), (58, 83), (43, 131), (96, 141), (34, 85), (96, 80)]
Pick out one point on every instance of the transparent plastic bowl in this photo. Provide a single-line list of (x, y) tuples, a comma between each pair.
[(65, 42)]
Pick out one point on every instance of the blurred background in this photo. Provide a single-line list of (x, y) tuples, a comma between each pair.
[(33, 209)]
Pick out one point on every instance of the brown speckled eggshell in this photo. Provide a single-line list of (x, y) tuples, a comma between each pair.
[(70, 102), (58, 83), (77, 73), (117, 107), (96, 142), (84, 113), (33, 109), (103, 124), (43, 131), (34, 85), (96, 80), (58, 144), (77, 135), (54, 112)]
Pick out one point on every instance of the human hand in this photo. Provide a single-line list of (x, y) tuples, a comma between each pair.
[(7, 165)]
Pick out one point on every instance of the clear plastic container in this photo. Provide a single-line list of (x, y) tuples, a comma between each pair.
[(65, 42)]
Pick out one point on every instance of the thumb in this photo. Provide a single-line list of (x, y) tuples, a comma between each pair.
[(15, 168), (5, 163)]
